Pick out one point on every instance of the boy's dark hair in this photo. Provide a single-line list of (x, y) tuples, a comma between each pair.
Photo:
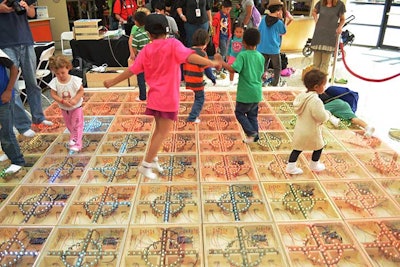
[(140, 17), (275, 8), (226, 3), (237, 25), (159, 5), (312, 78), (200, 37), (251, 37)]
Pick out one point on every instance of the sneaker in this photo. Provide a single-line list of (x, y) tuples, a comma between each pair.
[(267, 82), (71, 142), (317, 166), (29, 133), (75, 148), (335, 121), (156, 165), (13, 169), (47, 123), (341, 81), (369, 131), (291, 168), (394, 134), (249, 139), (137, 99), (3, 157), (147, 171), (197, 120)]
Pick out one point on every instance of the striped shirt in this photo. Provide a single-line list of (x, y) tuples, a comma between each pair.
[(140, 38), (194, 73)]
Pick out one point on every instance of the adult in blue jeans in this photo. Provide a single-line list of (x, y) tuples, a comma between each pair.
[(17, 43), (196, 14), (9, 143)]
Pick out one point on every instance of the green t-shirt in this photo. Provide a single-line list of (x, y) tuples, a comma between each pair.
[(140, 38), (250, 66)]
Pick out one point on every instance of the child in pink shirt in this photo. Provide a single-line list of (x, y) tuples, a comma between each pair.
[(160, 61)]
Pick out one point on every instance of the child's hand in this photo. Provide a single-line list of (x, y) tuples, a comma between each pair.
[(6, 96), (107, 83), (218, 57), (66, 102)]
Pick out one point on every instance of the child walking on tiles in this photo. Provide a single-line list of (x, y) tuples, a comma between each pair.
[(67, 91), (250, 66), (311, 114), (160, 60)]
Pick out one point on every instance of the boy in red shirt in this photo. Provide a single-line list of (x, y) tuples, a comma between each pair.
[(222, 28)]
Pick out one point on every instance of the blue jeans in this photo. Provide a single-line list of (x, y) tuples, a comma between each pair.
[(24, 57), (9, 142), (191, 28), (223, 47), (246, 114), (142, 86), (197, 105)]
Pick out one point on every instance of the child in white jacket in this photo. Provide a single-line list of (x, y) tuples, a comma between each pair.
[(311, 114)]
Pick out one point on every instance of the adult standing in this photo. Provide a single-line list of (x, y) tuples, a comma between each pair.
[(196, 14), (245, 15), (327, 14), (123, 11), (16, 41)]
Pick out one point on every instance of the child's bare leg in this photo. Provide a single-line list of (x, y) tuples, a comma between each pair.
[(163, 127), (359, 122), (369, 130)]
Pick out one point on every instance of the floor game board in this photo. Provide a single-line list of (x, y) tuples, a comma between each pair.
[(218, 202)]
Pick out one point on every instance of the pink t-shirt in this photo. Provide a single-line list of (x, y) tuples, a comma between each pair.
[(160, 61)]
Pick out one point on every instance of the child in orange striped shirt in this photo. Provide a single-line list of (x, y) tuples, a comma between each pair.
[(194, 74)]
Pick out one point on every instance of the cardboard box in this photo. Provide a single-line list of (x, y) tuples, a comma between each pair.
[(96, 79), (87, 29)]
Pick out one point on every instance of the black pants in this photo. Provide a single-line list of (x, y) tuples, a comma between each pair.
[(316, 155)]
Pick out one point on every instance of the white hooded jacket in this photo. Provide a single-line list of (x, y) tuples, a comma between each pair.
[(311, 114)]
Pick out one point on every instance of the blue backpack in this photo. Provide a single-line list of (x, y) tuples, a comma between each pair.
[(255, 17)]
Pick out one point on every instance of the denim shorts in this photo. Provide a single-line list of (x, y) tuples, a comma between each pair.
[(163, 114)]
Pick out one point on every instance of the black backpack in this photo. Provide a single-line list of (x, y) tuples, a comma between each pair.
[(284, 62)]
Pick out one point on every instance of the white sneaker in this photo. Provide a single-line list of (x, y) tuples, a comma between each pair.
[(197, 120), (369, 131), (47, 123), (74, 148), (13, 168), (71, 143), (29, 133), (317, 166), (291, 168), (249, 139), (156, 165), (3, 157), (147, 171), (137, 99), (335, 121)]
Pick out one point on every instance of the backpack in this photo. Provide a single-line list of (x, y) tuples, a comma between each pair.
[(344, 93), (284, 62), (255, 17)]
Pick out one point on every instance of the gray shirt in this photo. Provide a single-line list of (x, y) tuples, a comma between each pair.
[(324, 37)]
